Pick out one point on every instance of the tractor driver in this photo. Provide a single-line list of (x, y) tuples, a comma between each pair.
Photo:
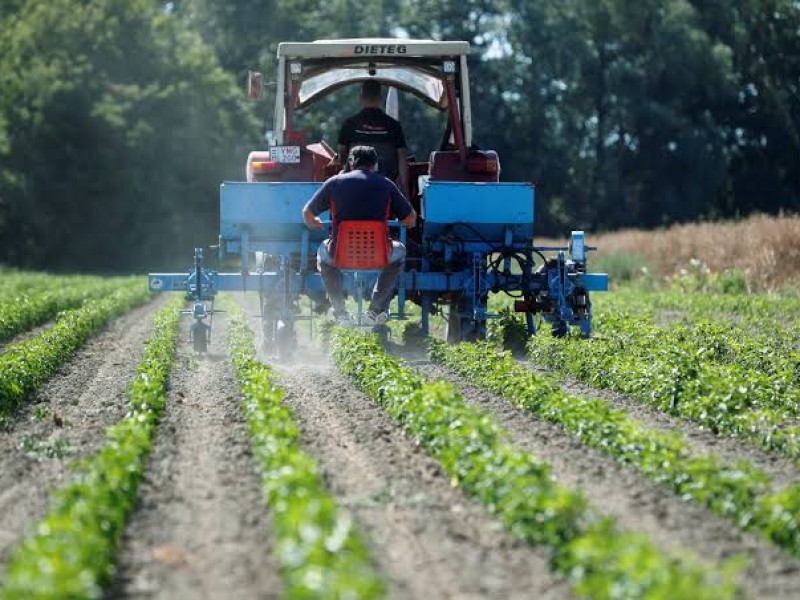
[(373, 127), (362, 194)]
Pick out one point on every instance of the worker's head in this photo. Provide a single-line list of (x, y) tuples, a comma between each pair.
[(364, 158), (371, 94)]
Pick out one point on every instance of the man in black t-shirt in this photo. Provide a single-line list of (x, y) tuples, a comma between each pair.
[(373, 127), (360, 195)]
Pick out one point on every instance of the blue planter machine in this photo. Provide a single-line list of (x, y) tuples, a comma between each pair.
[(474, 236)]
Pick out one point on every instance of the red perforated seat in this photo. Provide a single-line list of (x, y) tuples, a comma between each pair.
[(362, 245)]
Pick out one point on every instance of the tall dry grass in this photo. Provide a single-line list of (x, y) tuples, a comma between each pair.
[(765, 248)]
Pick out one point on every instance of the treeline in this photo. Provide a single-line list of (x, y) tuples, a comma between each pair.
[(118, 118)]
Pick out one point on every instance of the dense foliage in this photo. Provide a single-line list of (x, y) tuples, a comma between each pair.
[(684, 372), (118, 119), (319, 551), (599, 559), (26, 308), (116, 126), (25, 366), (71, 553), (740, 490)]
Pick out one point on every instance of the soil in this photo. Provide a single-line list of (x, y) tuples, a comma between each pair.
[(26, 335), (636, 503), (428, 539), (200, 528), (66, 420)]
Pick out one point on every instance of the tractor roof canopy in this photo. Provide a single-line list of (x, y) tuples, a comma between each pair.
[(309, 71)]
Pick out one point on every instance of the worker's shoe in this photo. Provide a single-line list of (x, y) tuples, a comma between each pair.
[(374, 318), (343, 320)]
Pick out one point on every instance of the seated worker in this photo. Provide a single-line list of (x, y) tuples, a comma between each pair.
[(362, 194), (373, 127)]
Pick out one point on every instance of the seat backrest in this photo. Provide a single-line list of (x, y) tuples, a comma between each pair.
[(361, 245)]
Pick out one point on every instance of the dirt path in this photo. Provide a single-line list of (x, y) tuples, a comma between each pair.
[(783, 471), (67, 420), (638, 504), (200, 528), (429, 540), (26, 335)]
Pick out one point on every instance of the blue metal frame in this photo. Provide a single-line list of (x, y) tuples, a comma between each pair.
[(472, 235)]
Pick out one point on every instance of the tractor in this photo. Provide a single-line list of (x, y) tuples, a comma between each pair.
[(475, 233)]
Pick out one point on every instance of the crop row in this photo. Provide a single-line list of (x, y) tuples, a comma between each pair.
[(600, 560), (647, 365), (738, 491), (25, 366), (317, 547), (770, 360), (14, 283), (20, 312), (71, 554), (746, 308)]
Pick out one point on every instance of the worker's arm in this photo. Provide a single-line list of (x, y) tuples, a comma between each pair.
[(411, 220), (319, 203), (312, 220), (401, 208), (402, 171)]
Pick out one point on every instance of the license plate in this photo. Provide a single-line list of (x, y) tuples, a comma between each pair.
[(285, 154)]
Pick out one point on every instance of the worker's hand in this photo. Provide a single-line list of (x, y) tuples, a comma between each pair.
[(410, 221), (312, 221)]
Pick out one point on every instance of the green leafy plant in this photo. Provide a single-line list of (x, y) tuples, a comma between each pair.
[(687, 374), (25, 310), (71, 553), (57, 448), (739, 491), (320, 553), (24, 367), (600, 560)]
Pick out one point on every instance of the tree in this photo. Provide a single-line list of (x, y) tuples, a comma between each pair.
[(121, 125)]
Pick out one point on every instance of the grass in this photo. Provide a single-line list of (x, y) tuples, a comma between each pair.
[(765, 249)]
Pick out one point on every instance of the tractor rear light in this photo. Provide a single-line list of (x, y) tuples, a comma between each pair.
[(482, 164), (265, 166)]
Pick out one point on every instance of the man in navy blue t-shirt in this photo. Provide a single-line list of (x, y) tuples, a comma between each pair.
[(360, 195)]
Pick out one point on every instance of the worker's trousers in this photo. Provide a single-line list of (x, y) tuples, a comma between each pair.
[(384, 288)]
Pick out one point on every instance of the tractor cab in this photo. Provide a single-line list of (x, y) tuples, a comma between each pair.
[(435, 72)]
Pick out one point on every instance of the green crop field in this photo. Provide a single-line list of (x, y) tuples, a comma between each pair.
[(659, 459)]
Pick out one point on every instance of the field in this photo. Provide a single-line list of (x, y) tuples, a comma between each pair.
[(661, 459), (760, 253)]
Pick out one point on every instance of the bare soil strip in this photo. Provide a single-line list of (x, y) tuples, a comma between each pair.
[(67, 420), (26, 335), (638, 504), (200, 527), (781, 470), (429, 540)]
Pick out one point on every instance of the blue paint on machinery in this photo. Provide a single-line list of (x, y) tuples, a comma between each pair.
[(474, 237)]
